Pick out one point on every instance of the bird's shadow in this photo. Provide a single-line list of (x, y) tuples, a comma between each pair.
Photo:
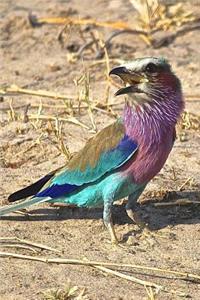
[(156, 217), (179, 208)]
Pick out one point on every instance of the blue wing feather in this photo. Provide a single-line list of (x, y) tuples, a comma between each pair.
[(57, 190)]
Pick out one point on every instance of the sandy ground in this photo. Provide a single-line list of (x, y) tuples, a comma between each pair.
[(33, 58)]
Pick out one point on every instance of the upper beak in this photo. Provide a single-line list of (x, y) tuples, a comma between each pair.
[(118, 71), (128, 77)]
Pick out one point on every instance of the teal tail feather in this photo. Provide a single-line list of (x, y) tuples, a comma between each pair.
[(23, 204)]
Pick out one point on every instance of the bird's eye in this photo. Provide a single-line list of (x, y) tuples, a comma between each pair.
[(151, 68)]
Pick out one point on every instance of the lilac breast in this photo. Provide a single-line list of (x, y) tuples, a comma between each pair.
[(154, 133), (149, 159)]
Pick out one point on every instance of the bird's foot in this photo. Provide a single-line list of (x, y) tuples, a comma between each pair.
[(114, 239), (115, 245), (114, 242), (144, 233)]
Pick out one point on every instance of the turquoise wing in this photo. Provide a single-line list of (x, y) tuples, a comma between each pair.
[(105, 152)]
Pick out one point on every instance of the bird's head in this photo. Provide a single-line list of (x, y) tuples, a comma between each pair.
[(150, 79)]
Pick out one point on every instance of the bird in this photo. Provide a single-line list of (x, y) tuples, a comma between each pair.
[(121, 159)]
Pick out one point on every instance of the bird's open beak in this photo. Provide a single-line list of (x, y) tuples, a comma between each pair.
[(129, 77)]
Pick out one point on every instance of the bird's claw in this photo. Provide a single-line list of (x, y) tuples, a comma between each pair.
[(134, 216)]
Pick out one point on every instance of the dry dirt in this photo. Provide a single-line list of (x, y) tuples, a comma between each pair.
[(33, 58)]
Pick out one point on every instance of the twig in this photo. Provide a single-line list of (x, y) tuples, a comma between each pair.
[(96, 106), (30, 243), (21, 256), (165, 41), (97, 263), (100, 53), (188, 96), (12, 111), (103, 61), (56, 106), (86, 98), (14, 89), (150, 293), (19, 247), (184, 184), (110, 264), (35, 21), (130, 278), (60, 35), (107, 71), (83, 47), (72, 120), (177, 202)]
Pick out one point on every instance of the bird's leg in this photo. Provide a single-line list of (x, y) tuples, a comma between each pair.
[(132, 207), (133, 215), (107, 218)]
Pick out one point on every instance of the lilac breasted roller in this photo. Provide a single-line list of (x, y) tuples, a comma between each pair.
[(121, 159)]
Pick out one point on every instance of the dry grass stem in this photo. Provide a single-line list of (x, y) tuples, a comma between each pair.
[(86, 98), (14, 90), (72, 120), (30, 243), (189, 96), (188, 180), (178, 274), (177, 202), (99, 265), (97, 107), (150, 293), (12, 114), (34, 20), (107, 71), (21, 256), (103, 61), (18, 247), (62, 147), (130, 278)]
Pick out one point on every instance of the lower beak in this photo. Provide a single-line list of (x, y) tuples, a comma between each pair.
[(128, 90)]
